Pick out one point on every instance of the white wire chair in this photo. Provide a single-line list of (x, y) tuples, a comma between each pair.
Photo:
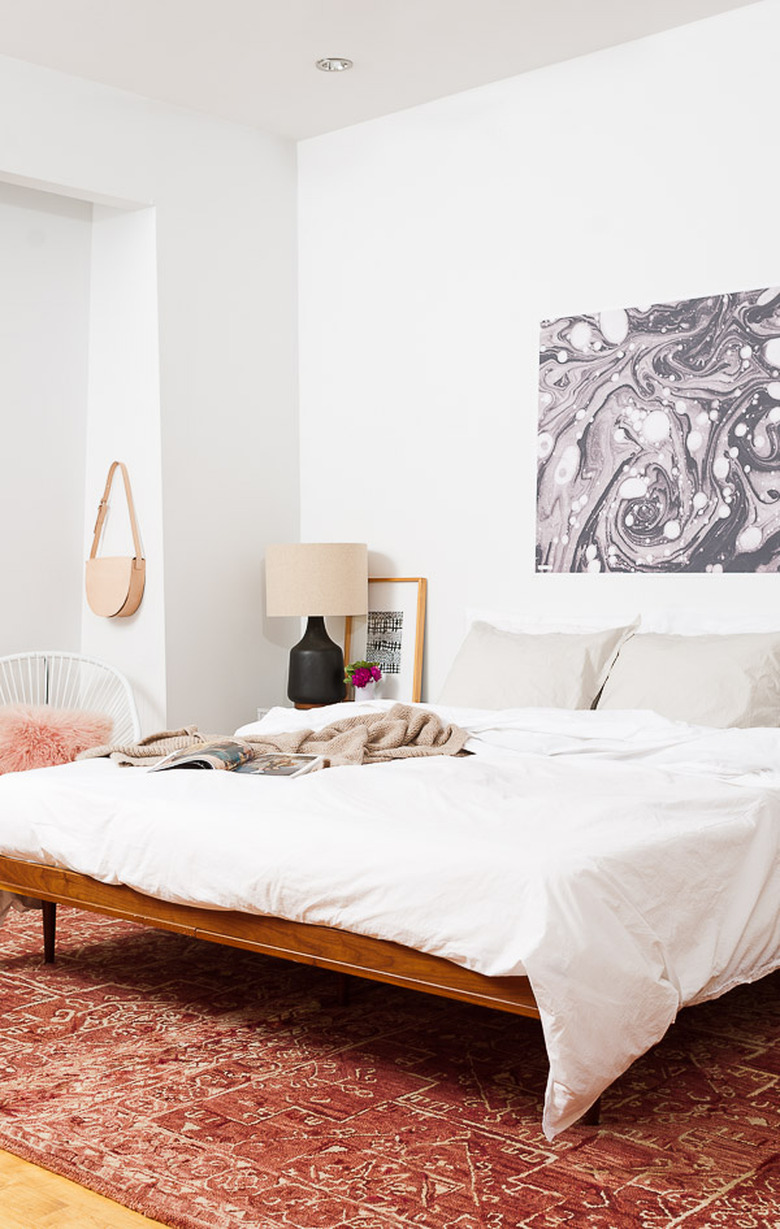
[(68, 680)]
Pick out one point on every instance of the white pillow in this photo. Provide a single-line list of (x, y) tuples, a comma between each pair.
[(717, 621), (715, 680), (497, 669), (542, 624)]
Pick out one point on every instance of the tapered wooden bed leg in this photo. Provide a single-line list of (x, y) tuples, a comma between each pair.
[(49, 930), (592, 1117), (342, 992)]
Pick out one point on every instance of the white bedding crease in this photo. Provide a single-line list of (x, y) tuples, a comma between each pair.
[(627, 864)]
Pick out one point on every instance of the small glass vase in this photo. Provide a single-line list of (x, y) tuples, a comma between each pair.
[(366, 693)]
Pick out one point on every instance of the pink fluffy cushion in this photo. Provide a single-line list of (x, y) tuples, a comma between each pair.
[(37, 736)]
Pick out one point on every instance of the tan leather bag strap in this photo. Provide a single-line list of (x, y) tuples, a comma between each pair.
[(103, 508)]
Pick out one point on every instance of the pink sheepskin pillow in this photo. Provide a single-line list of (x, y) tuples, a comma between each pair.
[(35, 736)]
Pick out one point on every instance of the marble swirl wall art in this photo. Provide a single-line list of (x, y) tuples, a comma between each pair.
[(659, 438)]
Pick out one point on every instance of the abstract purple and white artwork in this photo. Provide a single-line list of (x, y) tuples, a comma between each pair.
[(659, 438)]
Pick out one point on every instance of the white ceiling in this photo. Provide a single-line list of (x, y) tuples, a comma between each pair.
[(252, 61)]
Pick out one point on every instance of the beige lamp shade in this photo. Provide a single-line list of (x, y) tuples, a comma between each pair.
[(317, 578)]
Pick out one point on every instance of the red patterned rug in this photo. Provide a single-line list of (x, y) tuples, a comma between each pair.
[(215, 1089)]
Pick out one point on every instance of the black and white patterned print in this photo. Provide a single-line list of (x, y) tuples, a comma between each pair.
[(384, 636)]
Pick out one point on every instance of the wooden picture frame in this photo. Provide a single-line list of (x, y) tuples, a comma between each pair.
[(391, 634)]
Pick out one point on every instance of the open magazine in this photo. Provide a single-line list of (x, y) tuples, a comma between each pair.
[(231, 755)]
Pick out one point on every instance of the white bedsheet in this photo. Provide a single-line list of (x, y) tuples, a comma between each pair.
[(627, 864)]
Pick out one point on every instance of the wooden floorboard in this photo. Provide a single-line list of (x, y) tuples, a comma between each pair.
[(31, 1198)]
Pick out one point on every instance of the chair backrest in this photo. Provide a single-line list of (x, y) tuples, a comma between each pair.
[(68, 680)]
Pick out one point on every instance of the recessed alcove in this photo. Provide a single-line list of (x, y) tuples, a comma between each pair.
[(79, 386)]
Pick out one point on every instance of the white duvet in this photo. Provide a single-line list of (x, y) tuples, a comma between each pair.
[(628, 865)]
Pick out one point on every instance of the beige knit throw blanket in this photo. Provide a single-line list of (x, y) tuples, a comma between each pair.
[(401, 732)]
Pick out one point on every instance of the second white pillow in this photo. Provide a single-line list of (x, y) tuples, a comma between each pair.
[(705, 680)]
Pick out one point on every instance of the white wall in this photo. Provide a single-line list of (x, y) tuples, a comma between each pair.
[(124, 424), (44, 323), (224, 234), (434, 241)]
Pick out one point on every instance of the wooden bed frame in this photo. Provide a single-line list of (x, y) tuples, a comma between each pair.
[(321, 946), (317, 945)]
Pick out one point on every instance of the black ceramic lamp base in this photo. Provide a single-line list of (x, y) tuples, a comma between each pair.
[(316, 667)]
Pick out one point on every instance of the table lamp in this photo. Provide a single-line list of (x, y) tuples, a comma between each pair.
[(316, 579)]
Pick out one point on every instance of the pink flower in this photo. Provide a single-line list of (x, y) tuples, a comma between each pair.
[(361, 673)]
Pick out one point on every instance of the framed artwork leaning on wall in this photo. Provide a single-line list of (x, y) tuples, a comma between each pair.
[(391, 634)]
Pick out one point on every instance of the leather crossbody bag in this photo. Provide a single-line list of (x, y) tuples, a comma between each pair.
[(115, 583)]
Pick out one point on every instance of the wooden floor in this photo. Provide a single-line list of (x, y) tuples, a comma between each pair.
[(31, 1197)]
